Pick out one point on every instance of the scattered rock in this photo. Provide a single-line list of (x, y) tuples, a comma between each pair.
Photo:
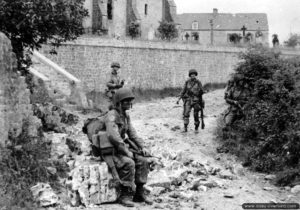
[(228, 195), (270, 177), (296, 189), (210, 184), (74, 146), (158, 206), (226, 175), (157, 191), (44, 195), (51, 170), (159, 179), (268, 188), (238, 170), (176, 128)]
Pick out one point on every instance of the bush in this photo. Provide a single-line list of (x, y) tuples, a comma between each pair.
[(167, 30), (23, 163), (267, 137)]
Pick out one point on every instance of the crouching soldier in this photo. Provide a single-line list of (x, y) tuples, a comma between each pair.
[(129, 159), (192, 99)]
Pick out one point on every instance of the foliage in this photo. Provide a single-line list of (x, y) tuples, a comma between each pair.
[(248, 37), (195, 35), (293, 40), (134, 29), (167, 30), (24, 162), (31, 23), (235, 38), (267, 135)]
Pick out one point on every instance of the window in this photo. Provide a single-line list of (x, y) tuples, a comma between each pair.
[(195, 25), (109, 10), (146, 9)]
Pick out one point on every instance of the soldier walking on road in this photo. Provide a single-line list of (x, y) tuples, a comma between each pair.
[(192, 98), (115, 82)]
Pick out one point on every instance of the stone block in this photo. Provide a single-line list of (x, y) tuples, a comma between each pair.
[(91, 181)]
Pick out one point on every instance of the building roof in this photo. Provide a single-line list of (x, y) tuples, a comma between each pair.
[(224, 21)]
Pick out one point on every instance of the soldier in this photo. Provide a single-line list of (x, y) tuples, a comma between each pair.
[(129, 160), (236, 96), (192, 98), (115, 82)]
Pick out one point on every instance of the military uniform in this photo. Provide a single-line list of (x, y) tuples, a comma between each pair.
[(130, 171), (128, 159), (114, 83), (236, 98), (192, 98)]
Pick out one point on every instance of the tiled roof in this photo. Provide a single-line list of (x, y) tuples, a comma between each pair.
[(224, 21)]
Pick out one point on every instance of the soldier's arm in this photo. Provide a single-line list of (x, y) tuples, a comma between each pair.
[(111, 84), (133, 135), (113, 133), (229, 99), (183, 92)]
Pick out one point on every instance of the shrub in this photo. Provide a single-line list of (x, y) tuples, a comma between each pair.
[(267, 138), (23, 163), (167, 30)]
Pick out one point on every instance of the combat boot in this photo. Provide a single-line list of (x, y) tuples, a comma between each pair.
[(140, 195), (196, 127), (125, 197)]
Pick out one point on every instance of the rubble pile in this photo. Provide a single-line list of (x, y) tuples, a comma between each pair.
[(53, 117), (182, 178)]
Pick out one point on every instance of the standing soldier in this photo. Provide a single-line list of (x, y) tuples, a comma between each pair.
[(192, 98), (115, 82)]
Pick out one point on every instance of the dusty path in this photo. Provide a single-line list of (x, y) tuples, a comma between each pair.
[(157, 123)]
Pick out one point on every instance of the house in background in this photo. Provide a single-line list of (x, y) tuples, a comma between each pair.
[(224, 28), (112, 17)]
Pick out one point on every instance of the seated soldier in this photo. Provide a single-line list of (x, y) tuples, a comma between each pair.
[(129, 156)]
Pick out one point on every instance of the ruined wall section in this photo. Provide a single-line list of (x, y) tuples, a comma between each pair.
[(15, 104)]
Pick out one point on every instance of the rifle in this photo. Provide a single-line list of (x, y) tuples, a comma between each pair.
[(136, 151), (202, 119)]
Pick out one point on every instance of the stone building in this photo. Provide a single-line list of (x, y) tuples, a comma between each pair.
[(224, 28), (112, 17)]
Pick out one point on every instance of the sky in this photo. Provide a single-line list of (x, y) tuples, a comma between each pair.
[(283, 15)]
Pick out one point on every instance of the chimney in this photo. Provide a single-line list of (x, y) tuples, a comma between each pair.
[(215, 12)]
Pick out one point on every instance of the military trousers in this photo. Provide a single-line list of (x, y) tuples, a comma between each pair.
[(132, 171), (187, 108)]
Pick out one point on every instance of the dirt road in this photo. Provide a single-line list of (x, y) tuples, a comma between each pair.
[(195, 176)]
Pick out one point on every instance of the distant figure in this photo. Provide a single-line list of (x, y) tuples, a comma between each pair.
[(115, 82), (275, 40)]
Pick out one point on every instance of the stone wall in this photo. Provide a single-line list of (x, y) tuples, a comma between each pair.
[(14, 95), (145, 65)]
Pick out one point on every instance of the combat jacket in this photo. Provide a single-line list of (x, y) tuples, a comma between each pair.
[(118, 126), (114, 80), (192, 89), (233, 95)]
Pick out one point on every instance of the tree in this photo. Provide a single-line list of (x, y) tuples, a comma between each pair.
[(275, 40), (167, 30), (293, 40), (235, 38), (134, 29), (31, 23)]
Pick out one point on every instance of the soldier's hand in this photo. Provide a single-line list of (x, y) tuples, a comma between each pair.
[(130, 154), (145, 152)]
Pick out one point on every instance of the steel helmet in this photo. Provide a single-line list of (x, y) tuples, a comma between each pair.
[(122, 94), (193, 71), (115, 64)]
